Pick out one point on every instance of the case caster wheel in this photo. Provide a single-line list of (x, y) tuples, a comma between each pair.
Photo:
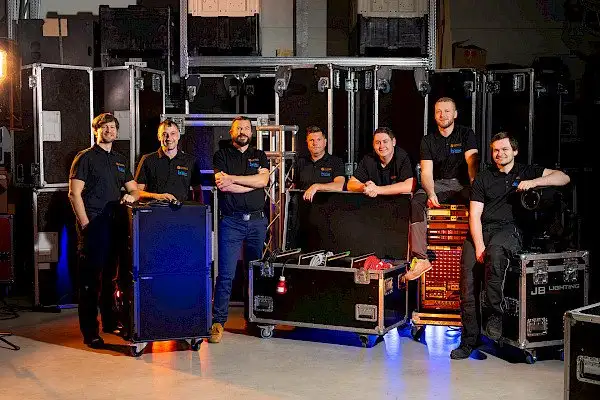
[(266, 332), (416, 332), (530, 357), (138, 349), (195, 344), (562, 355), (364, 340)]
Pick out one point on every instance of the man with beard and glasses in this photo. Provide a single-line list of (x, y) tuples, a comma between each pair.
[(449, 159), (496, 236), (320, 172), (241, 174), (168, 173), (96, 178)]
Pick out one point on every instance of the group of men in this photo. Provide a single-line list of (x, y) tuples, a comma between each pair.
[(449, 172)]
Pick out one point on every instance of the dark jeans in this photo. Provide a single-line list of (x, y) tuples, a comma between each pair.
[(98, 248), (502, 242), (234, 231)]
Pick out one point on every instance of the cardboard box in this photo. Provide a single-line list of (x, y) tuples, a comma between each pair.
[(468, 55)]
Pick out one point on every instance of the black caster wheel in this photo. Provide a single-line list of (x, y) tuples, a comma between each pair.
[(137, 349), (266, 332), (416, 332), (530, 357), (364, 340), (195, 344)]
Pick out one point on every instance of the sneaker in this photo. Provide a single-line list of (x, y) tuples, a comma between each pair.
[(417, 268), (216, 333), (493, 328), (94, 342), (461, 352)]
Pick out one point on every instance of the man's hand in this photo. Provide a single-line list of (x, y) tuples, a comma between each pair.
[(310, 192), (526, 185), (127, 198), (223, 180), (371, 189), (433, 202), (480, 254), (166, 197)]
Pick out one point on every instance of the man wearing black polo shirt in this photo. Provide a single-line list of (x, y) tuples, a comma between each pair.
[(387, 171), (495, 234), (241, 174), (168, 173), (448, 166), (97, 176), (321, 172)]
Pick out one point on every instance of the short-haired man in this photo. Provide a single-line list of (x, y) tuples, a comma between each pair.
[(320, 172), (97, 176), (387, 171), (241, 174), (168, 173), (448, 166), (496, 234)]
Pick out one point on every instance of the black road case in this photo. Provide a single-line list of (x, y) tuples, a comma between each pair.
[(168, 286), (345, 298), (57, 117), (136, 96), (341, 294), (582, 353), (539, 288)]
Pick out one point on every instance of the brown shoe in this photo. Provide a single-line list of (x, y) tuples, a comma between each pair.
[(417, 269), (216, 333)]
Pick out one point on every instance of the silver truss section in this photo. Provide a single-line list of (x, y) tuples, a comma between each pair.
[(281, 161)]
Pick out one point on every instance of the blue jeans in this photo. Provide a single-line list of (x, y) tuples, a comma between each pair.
[(232, 232)]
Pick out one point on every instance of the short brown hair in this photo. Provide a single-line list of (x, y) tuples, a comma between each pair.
[(240, 118), (103, 119), (385, 130), (446, 100), (504, 135), (314, 129), (167, 123)]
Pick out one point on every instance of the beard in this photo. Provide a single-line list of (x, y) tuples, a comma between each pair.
[(242, 140), (444, 124)]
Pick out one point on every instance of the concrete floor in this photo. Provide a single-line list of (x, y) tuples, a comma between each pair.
[(54, 364)]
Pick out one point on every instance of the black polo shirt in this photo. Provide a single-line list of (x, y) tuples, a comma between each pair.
[(448, 153), (162, 174), (324, 170), (398, 169), (498, 192), (233, 162), (104, 174)]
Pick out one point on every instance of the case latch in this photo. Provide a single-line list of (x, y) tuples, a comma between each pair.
[(362, 276), (32, 81), (267, 270), (570, 271), (156, 83), (138, 83), (540, 274)]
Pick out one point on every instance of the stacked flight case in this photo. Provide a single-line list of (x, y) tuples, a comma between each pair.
[(136, 97), (582, 353), (167, 283), (439, 288), (538, 290), (527, 105), (57, 107)]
